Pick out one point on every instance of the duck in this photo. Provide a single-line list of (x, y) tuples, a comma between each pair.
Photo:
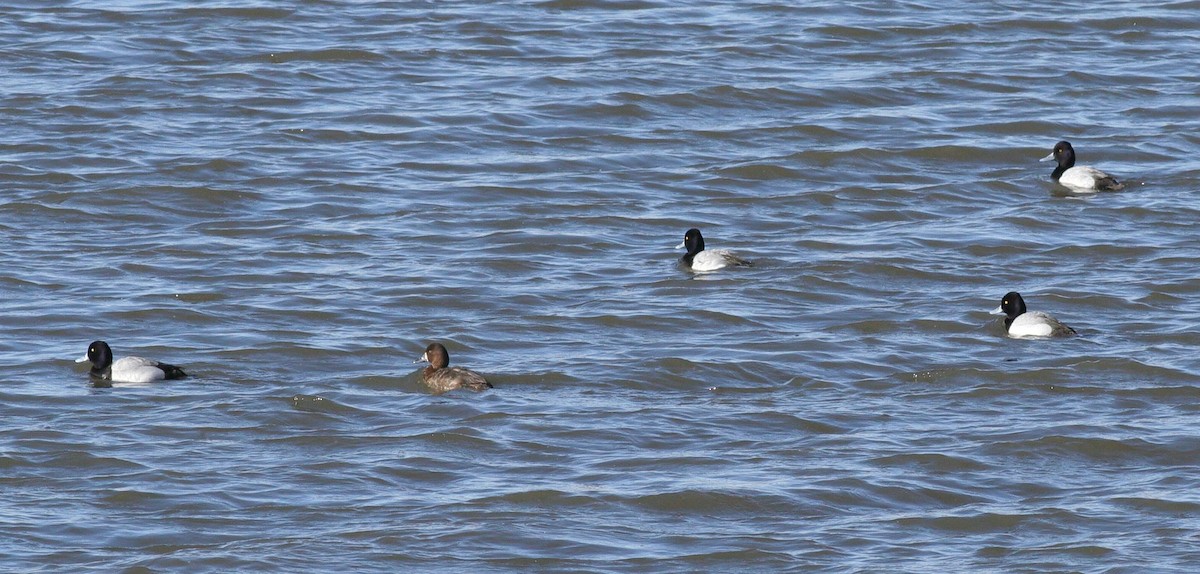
[(105, 371), (1019, 322), (440, 377), (1079, 177), (697, 259)]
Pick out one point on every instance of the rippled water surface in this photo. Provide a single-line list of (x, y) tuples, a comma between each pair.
[(290, 200)]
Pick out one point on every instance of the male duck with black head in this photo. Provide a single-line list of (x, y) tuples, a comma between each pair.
[(105, 371), (1020, 322), (1079, 178), (697, 259)]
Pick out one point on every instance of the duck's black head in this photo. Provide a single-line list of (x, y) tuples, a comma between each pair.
[(100, 355), (1064, 156), (1012, 304), (694, 242)]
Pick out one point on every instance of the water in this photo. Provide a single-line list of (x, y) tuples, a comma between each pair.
[(291, 201)]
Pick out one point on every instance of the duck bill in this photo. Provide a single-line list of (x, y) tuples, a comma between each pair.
[(998, 311), (424, 358), (82, 359), (1048, 158), (681, 245)]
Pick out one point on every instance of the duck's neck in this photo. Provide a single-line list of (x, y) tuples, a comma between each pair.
[(1063, 167), (1008, 321)]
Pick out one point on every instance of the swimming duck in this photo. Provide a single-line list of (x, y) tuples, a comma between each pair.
[(126, 369), (1080, 177), (441, 377), (697, 259), (1021, 323)]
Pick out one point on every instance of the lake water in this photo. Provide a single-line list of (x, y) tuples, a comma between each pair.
[(290, 200)]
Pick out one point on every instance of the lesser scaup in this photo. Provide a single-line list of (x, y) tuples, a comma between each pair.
[(1021, 323), (126, 369), (697, 259), (441, 377), (1079, 177)]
